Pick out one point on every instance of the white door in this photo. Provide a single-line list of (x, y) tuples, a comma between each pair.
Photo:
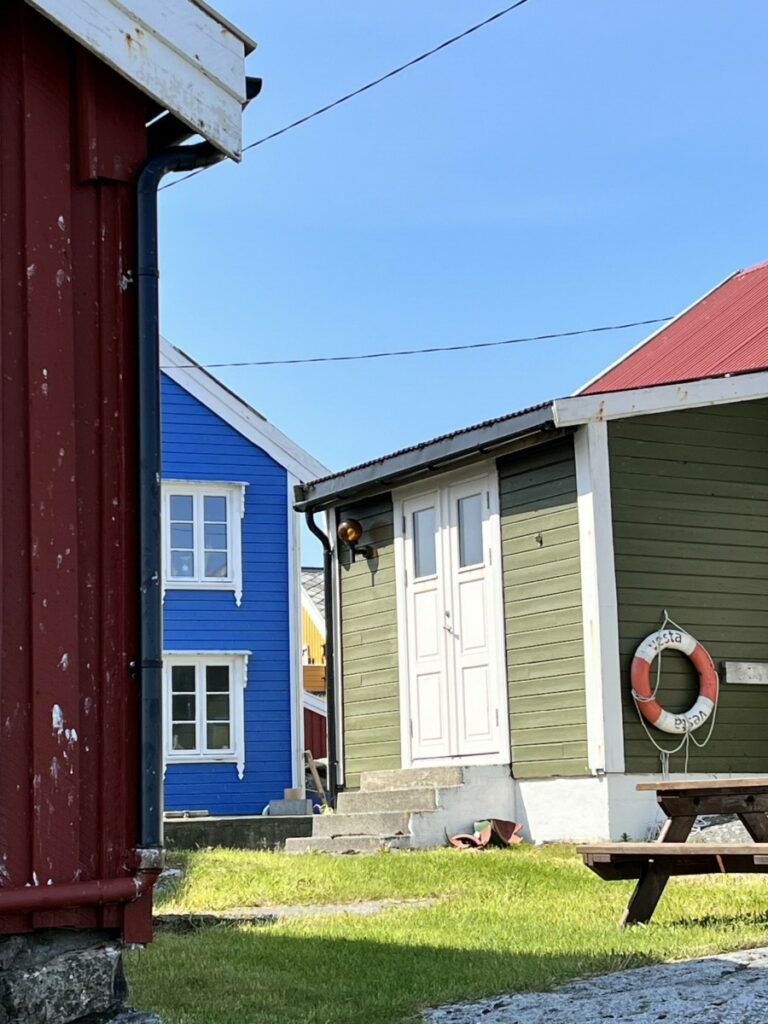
[(456, 681), (427, 628)]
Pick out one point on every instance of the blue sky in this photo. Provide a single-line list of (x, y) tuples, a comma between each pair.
[(573, 164)]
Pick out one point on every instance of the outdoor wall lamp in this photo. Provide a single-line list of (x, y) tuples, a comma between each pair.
[(350, 531)]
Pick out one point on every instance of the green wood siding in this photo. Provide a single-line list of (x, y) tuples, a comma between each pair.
[(369, 646), (542, 606), (689, 497)]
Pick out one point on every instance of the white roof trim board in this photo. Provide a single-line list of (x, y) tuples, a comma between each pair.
[(180, 52), (314, 703), (696, 394), (238, 414)]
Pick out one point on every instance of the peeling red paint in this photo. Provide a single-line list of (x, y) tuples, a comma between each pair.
[(73, 140)]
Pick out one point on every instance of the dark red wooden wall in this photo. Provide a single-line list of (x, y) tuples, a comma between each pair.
[(315, 729), (73, 139)]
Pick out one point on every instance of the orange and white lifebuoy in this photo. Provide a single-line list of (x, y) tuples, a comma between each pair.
[(674, 640)]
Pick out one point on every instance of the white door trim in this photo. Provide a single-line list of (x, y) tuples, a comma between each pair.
[(602, 667), (487, 472)]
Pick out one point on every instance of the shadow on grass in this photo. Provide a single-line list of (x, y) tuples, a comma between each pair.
[(225, 975), (720, 920)]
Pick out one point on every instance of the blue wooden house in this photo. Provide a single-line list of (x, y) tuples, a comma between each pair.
[(231, 597)]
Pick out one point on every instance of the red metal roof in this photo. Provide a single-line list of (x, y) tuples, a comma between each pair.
[(725, 332)]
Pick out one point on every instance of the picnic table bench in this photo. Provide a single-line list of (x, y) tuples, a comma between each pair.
[(653, 864)]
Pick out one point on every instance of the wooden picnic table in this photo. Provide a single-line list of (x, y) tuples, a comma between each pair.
[(653, 864)]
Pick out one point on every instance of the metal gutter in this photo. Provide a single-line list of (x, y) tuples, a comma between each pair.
[(182, 159), (432, 456), (330, 673)]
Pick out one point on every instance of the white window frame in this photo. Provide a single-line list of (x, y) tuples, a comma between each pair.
[(234, 493), (237, 662)]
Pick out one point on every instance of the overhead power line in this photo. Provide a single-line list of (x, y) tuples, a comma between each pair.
[(366, 87), (418, 351)]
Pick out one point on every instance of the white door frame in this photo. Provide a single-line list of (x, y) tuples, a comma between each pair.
[(488, 473)]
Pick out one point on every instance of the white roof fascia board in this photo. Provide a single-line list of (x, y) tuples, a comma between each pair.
[(697, 394), (639, 345), (312, 611), (182, 55), (238, 414), (314, 703)]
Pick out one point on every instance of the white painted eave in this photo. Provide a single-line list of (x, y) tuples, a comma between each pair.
[(199, 383), (181, 53), (697, 394)]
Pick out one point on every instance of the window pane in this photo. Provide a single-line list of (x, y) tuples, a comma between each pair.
[(182, 564), (183, 678), (183, 737), (216, 564), (181, 507), (217, 678), (183, 707), (425, 553), (471, 530), (218, 736), (218, 707), (214, 509), (215, 537), (182, 536)]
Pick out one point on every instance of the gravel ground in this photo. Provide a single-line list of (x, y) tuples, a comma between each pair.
[(719, 828), (731, 988)]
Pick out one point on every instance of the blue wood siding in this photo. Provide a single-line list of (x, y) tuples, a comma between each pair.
[(199, 445)]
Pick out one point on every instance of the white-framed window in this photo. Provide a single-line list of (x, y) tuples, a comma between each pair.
[(202, 537), (203, 706)]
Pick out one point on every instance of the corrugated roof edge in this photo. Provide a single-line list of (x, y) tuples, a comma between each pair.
[(416, 459)]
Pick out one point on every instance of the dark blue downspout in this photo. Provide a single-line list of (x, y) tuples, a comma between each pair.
[(150, 665)]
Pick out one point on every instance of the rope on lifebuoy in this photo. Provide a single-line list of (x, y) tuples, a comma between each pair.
[(650, 711)]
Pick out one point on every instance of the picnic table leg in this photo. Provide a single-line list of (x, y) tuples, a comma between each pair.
[(677, 830), (645, 897), (756, 823), (653, 880)]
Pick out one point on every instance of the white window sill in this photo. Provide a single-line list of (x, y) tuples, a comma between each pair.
[(204, 585), (191, 758)]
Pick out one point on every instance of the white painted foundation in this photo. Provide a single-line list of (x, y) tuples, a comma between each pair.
[(605, 807), (554, 810)]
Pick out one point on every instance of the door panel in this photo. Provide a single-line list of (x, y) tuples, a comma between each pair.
[(430, 727), (477, 696), (472, 631), (427, 675), (456, 680), (478, 715)]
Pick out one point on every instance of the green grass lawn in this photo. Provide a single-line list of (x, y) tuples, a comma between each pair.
[(525, 918)]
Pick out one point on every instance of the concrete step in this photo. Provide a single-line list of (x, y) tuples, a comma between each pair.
[(346, 844), (374, 823), (359, 802), (411, 778)]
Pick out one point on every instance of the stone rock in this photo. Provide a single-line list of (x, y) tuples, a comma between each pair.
[(64, 987)]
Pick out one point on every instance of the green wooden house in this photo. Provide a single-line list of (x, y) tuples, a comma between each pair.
[(486, 619)]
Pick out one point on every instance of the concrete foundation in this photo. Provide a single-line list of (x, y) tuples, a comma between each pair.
[(238, 832), (604, 807), (64, 977)]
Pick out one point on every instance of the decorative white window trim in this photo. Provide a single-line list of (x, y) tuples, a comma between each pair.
[(234, 492), (237, 662)]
